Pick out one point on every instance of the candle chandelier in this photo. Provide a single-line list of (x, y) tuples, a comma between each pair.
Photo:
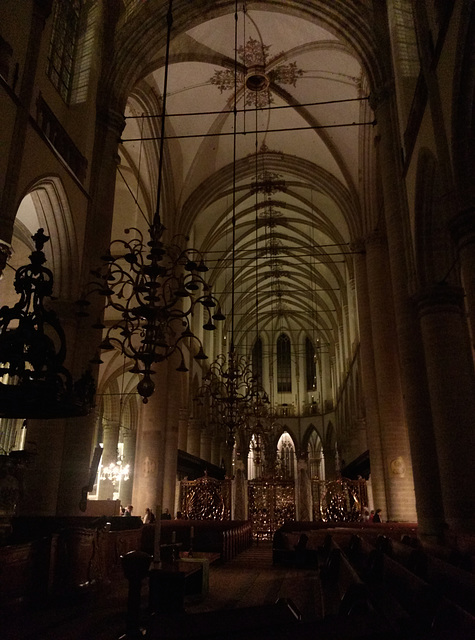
[(152, 289), (232, 392), (34, 383)]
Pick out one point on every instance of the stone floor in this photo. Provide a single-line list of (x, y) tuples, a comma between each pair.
[(250, 580)]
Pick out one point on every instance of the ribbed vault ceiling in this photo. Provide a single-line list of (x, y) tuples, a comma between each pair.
[(300, 146)]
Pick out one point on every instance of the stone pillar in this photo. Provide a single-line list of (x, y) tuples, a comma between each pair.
[(215, 450), (240, 492), (194, 437), (148, 478), (226, 454), (41, 9), (304, 490), (182, 428), (174, 382), (400, 498), (79, 432), (330, 462), (463, 232), (205, 448), (110, 442), (78, 443), (45, 439), (129, 437), (411, 355), (452, 390)]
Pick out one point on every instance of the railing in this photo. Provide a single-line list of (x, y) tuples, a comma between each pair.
[(59, 139)]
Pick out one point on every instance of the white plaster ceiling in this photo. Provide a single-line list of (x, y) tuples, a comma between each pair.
[(301, 247)]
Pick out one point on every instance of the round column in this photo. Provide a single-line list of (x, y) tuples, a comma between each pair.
[(463, 231), (110, 443), (9, 198), (411, 354), (194, 437), (304, 490), (182, 428), (205, 448), (173, 391), (129, 437), (148, 477), (396, 457), (330, 463), (452, 390)]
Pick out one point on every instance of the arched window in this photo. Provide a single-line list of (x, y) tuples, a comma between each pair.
[(257, 360), (285, 464), (310, 366), (284, 367), (256, 458), (316, 462), (63, 44)]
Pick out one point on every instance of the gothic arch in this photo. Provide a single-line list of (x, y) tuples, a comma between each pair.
[(53, 214)]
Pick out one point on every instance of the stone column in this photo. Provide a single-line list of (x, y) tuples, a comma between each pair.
[(411, 355), (41, 9), (330, 463), (463, 232), (78, 442), (182, 428), (148, 478), (368, 380), (226, 454), (79, 432), (45, 439), (215, 450), (129, 437), (304, 490), (396, 458), (110, 442), (174, 382), (240, 492), (452, 390), (194, 437), (205, 448)]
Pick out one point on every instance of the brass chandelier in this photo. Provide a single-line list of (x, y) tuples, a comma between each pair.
[(233, 394), (34, 382), (152, 288)]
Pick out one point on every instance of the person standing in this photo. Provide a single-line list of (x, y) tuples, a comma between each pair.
[(377, 516), (149, 517)]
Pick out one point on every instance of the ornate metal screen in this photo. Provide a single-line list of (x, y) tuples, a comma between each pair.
[(206, 499), (271, 503), (339, 500)]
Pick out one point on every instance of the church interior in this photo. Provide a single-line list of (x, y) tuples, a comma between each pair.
[(237, 259)]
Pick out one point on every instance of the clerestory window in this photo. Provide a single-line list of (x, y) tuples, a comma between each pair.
[(284, 366), (63, 45)]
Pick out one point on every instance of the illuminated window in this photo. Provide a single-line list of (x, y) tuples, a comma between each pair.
[(63, 46), (284, 367)]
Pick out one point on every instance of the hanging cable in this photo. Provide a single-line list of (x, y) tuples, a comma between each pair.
[(156, 219), (234, 176)]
